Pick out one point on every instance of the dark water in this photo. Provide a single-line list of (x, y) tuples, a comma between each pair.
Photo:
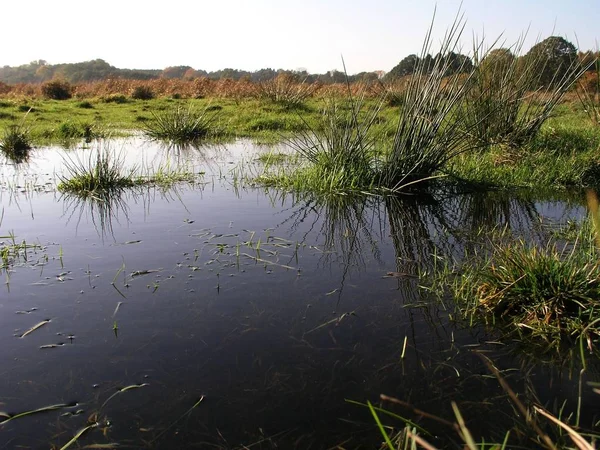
[(275, 310)]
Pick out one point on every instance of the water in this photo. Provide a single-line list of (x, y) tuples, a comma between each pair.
[(273, 310)]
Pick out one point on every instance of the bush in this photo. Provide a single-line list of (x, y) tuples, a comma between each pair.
[(57, 90), (116, 98), (142, 93)]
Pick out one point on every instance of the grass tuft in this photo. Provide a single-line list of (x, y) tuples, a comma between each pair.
[(181, 125), (549, 292), (16, 143), (103, 173)]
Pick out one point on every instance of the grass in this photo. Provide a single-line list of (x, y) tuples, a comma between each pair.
[(103, 173), (431, 128), (534, 425), (547, 291), (103, 177), (16, 143), (506, 104), (286, 89), (563, 154), (181, 124), (540, 293), (342, 148)]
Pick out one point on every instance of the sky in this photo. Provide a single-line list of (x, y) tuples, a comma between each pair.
[(252, 34)]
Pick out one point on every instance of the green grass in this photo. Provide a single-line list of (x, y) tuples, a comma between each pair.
[(182, 124), (561, 155), (565, 152), (545, 292), (506, 104), (16, 143), (101, 174)]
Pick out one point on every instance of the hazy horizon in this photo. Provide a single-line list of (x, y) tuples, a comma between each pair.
[(249, 36)]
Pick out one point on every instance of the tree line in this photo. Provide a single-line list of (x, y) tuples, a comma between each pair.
[(558, 52)]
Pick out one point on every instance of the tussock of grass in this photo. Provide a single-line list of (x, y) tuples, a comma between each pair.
[(431, 128), (549, 292), (286, 89), (16, 143), (104, 172), (341, 150), (181, 124)]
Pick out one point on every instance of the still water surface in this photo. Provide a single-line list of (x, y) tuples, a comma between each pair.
[(272, 309)]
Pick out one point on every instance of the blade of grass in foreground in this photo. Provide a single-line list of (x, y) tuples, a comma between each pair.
[(178, 419), (391, 414), (33, 411), (380, 426)]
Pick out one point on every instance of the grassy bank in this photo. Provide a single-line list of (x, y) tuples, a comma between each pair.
[(566, 152)]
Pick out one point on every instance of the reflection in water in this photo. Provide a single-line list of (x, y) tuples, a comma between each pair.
[(105, 209), (272, 351)]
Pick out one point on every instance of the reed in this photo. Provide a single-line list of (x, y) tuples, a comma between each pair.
[(508, 102), (431, 128)]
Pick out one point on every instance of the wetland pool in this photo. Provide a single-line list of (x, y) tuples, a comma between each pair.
[(215, 314)]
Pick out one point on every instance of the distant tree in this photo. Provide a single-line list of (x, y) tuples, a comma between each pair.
[(175, 72), (263, 75), (554, 57), (365, 77), (457, 63), (405, 67)]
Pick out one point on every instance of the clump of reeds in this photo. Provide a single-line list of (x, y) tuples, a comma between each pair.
[(342, 148), (182, 124), (16, 143), (104, 172), (508, 99), (69, 130), (287, 89), (431, 128)]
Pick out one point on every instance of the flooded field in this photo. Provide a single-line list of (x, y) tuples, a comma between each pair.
[(217, 315)]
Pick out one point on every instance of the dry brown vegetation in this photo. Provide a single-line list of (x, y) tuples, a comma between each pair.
[(200, 88)]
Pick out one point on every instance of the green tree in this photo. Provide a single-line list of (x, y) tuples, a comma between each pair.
[(555, 58), (405, 67)]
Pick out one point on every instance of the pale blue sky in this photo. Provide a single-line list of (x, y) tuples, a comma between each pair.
[(253, 34)]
